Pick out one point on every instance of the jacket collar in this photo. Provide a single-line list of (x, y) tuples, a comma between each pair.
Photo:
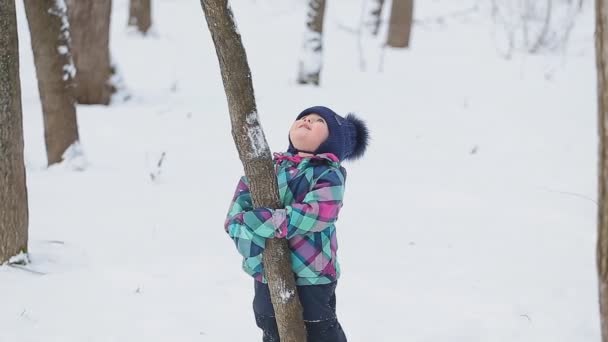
[(330, 158)]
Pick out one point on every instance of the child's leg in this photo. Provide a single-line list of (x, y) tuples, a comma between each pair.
[(269, 328), (325, 331), (319, 305)]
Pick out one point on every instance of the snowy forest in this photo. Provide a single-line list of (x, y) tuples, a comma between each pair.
[(479, 211)]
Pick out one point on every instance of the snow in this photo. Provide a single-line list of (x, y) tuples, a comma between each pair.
[(20, 258), (256, 137), (285, 294), (62, 49), (74, 158), (437, 243), (69, 70), (60, 10)]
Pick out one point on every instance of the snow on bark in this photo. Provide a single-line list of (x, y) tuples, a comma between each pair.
[(256, 136), (60, 10), (311, 60)]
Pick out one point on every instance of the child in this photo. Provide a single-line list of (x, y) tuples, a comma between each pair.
[(311, 186)]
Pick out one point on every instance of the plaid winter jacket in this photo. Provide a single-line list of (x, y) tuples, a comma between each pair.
[(311, 189)]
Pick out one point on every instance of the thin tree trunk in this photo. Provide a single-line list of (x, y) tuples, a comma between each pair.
[(90, 28), (50, 36), (311, 59), (400, 23), (255, 156), (140, 15), (13, 192), (543, 35), (601, 48), (376, 16)]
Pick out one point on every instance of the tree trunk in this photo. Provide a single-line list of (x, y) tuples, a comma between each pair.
[(49, 30), (255, 156), (400, 23), (90, 27), (311, 60), (13, 192), (601, 53), (140, 15), (376, 16)]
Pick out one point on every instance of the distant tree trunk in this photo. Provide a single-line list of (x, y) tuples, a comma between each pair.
[(50, 36), (601, 54), (140, 15), (376, 16), (311, 59), (400, 23), (90, 28), (13, 192), (255, 156)]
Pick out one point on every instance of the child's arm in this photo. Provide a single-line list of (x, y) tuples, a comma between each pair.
[(249, 228), (318, 210), (249, 242)]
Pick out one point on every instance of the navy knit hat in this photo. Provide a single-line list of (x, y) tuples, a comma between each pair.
[(348, 137)]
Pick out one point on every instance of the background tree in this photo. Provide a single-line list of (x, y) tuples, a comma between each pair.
[(311, 58), (601, 48), (375, 15), (13, 193), (90, 28), (533, 26), (256, 158), (400, 23), (140, 15), (50, 37)]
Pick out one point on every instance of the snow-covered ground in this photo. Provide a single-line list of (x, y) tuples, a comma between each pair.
[(472, 217)]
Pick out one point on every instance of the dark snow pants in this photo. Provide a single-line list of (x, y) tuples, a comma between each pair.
[(319, 305)]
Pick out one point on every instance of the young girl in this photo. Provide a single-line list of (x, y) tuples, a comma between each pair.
[(311, 186)]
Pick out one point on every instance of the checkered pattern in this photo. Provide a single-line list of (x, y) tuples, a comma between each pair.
[(311, 189)]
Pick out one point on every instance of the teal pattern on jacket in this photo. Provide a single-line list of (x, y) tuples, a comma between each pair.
[(311, 190)]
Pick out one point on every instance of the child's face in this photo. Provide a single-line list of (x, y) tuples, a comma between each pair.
[(308, 133)]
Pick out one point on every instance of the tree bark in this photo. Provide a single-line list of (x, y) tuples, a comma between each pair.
[(400, 23), (90, 27), (13, 192), (601, 48), (311, 58), (50, 36), (255, 156), (140, 15)]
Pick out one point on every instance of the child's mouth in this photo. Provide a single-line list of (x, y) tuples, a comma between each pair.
[(305, 126)]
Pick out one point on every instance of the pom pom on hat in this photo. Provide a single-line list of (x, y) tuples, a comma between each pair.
[(348, 137), (360, 137)]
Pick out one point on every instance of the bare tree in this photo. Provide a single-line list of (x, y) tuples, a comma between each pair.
[(400, 23), (311, 58), (50, 36), (255, 156), (140, 15), (90, 28), (533, 26), (376, 16), (601, 53), (13, 192)]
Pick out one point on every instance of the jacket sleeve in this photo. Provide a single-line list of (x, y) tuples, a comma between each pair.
[(249, 228), (318, 210), (248, 231)]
